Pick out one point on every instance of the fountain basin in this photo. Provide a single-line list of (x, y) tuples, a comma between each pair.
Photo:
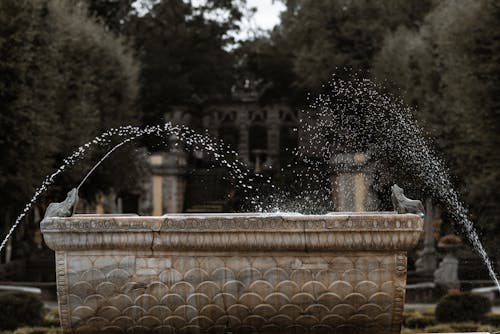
[(232, 273)]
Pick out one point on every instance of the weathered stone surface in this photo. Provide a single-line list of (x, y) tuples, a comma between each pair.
[(64, 208), (242, 273), (403, 204)]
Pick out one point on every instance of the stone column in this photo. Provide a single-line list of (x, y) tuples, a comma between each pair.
[(174, 187), (351, 182), (155, 162), (99, 203), (168, 179)]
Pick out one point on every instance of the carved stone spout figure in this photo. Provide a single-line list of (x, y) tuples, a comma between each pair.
[(64, 208), (402, 204)]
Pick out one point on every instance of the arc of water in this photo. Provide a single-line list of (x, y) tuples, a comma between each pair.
[(186, 134), (77, 155), (395, 132), (104, 158)]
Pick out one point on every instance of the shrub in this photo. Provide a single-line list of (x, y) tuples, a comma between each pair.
[(462, 307), (450, 240), (441, 328), (457, 327), (51, 318), (19, 308), (409, 313), (468, 327), (418, 320), (492, 319), (429, 312), (408, 331)]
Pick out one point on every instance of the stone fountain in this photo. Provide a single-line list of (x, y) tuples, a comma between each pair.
[(232, 273)]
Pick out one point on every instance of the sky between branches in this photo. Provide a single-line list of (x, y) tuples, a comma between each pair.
[(266, 16)]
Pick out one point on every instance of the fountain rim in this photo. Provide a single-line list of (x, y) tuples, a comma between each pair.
[(284, 214), (249, 232), (353, 220)]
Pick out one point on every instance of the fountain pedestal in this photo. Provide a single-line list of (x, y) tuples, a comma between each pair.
[(238, 273)]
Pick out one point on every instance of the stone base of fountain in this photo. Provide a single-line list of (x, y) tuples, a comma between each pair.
[(232, 273)]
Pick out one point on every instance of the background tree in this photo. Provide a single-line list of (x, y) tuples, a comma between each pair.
[(448, 69), (267, 60), (324, 36), (27, 119), (64, 79), (184, 54), (115, 14)]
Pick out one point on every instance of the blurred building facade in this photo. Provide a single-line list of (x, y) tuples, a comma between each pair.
[(265, 137)]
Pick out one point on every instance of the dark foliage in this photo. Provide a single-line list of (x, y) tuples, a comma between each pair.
[(448, 69), (462, 307), (115, 14), (183, 55), (64, 78), (419, 321), (19, 309), (492, 319)]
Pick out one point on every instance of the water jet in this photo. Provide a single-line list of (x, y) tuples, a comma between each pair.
[(252, 272)]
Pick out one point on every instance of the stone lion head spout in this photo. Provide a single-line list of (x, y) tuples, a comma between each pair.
[(397, 190), (402, 204), (64, 208)]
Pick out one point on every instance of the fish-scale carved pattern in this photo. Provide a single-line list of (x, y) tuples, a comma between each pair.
[(246, 294)]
